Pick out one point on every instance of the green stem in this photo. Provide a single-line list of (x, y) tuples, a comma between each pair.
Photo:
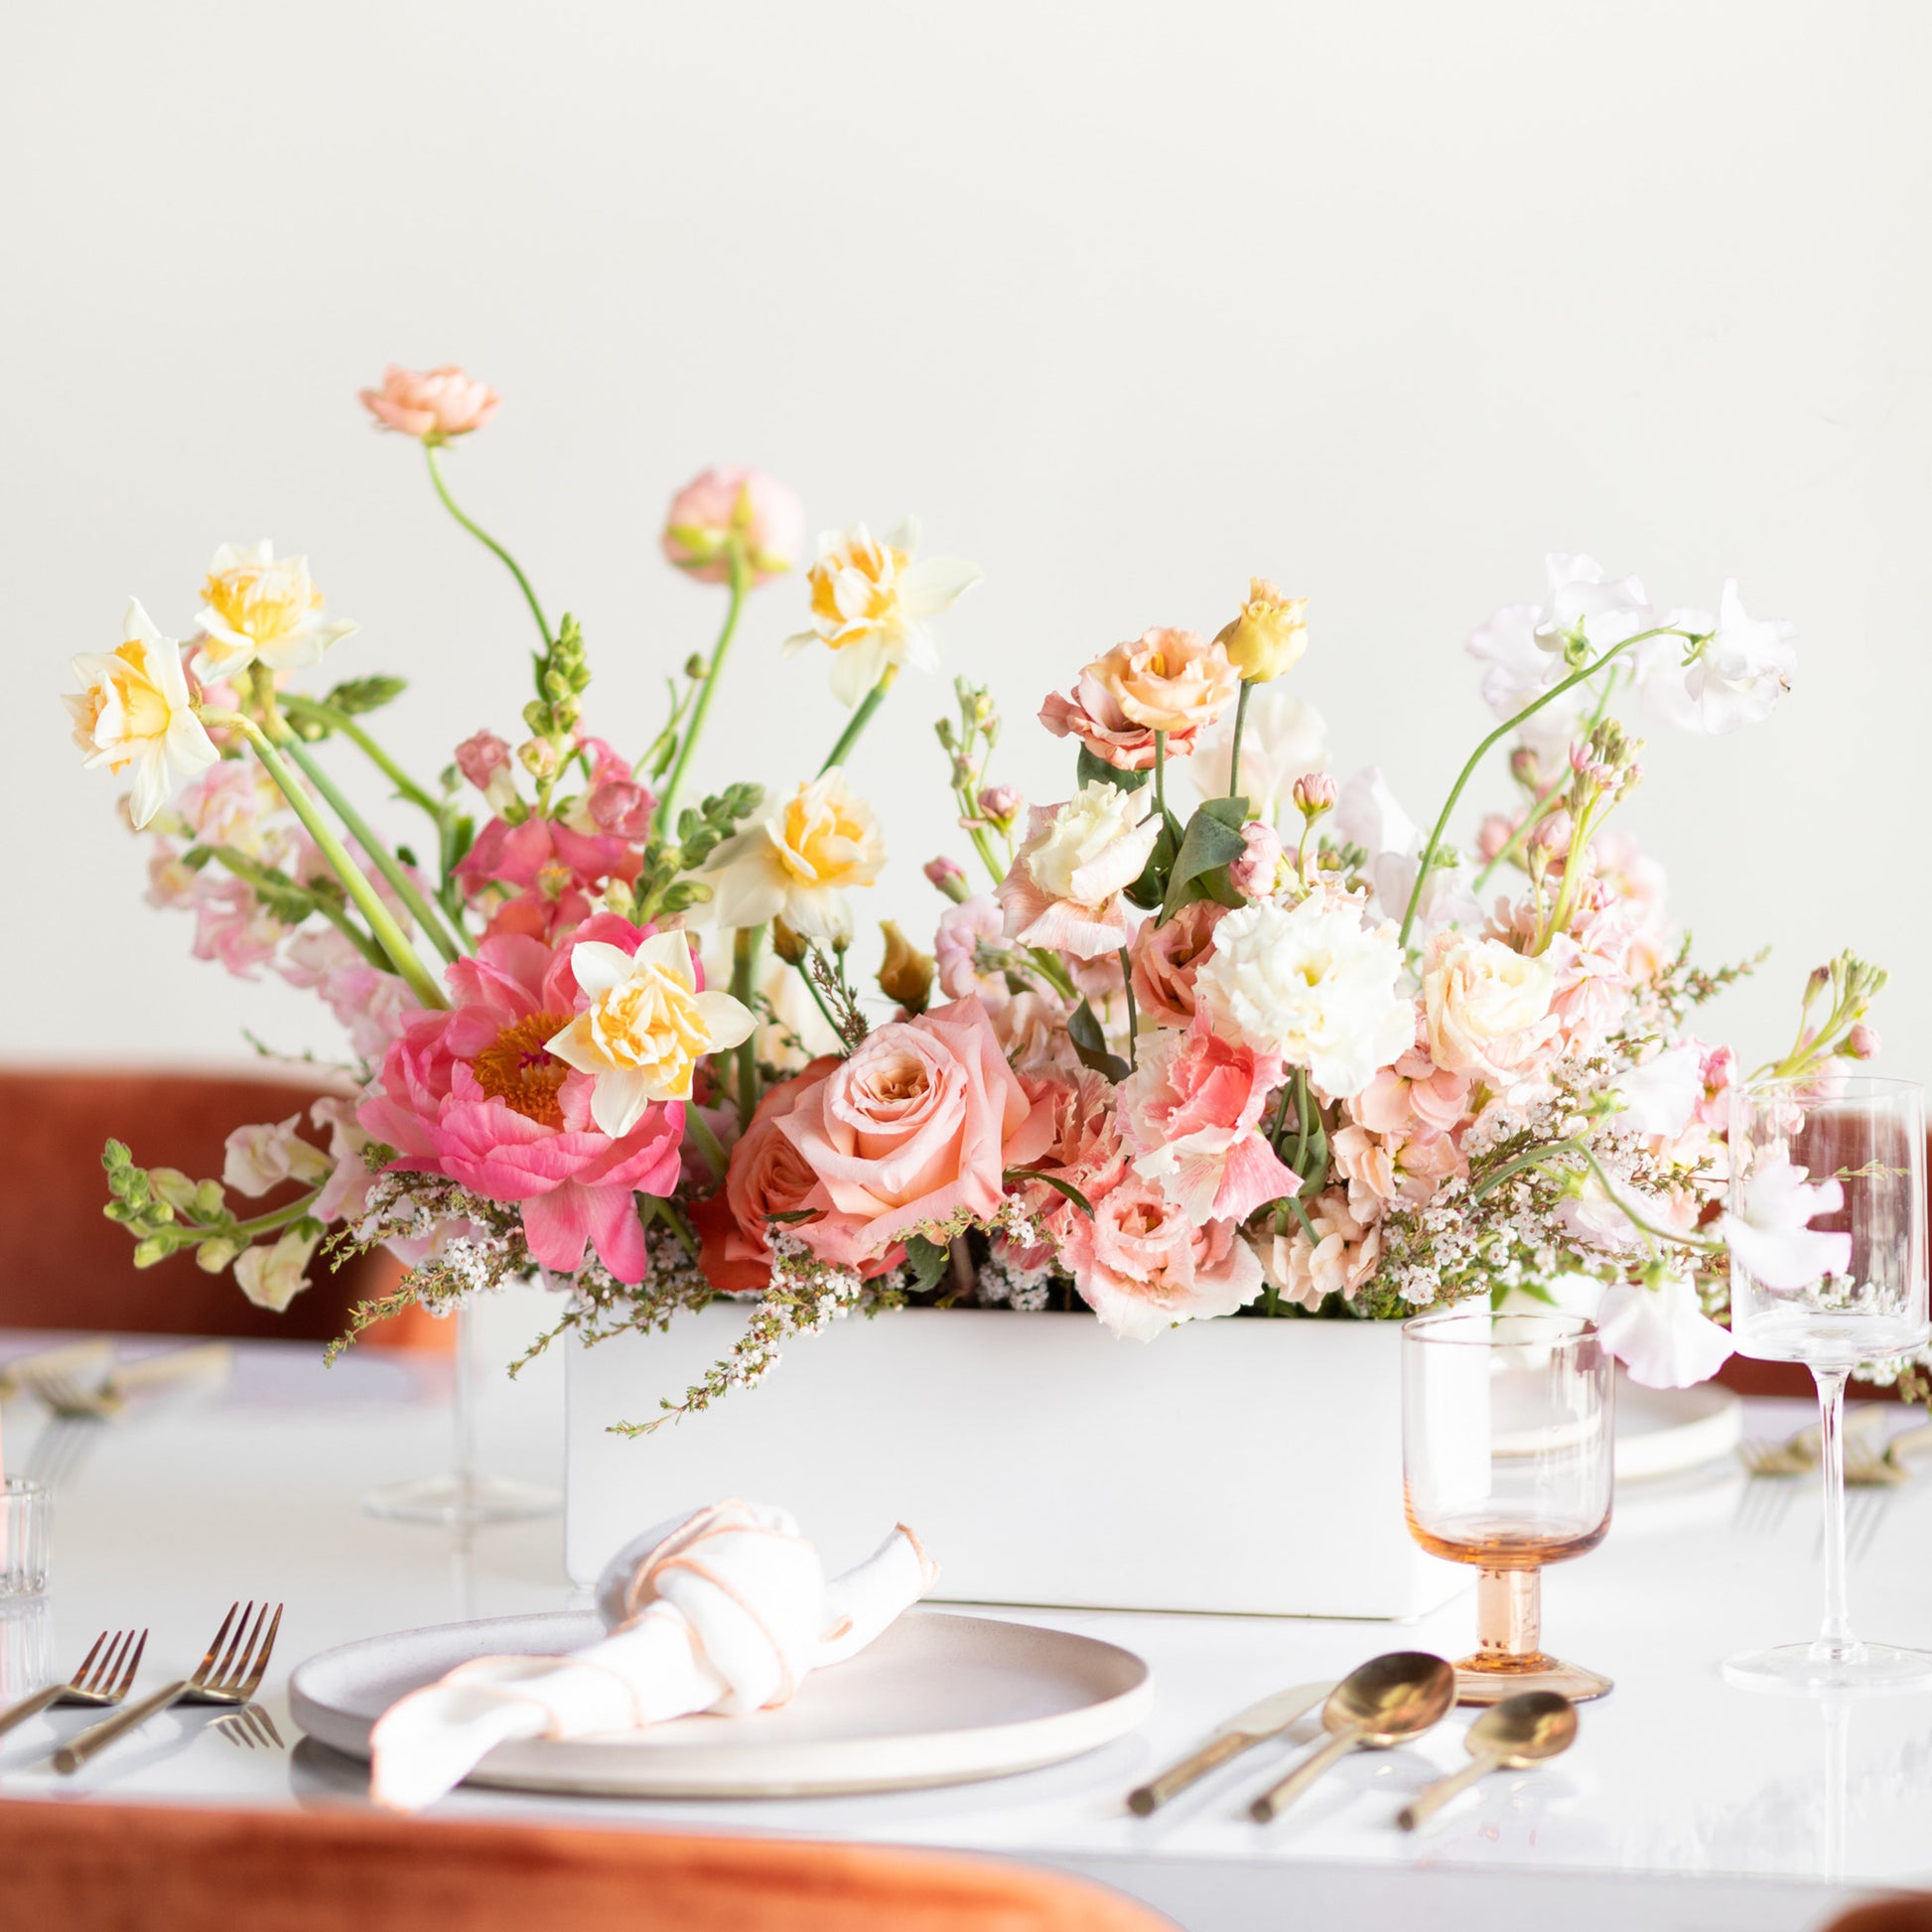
[(257, 877), (744, 954), (450, 945), (1133, 1017), (280, 1218), (859, 720), (663, 1210), (708, 1142), (1536, 1156), (1494, 739), (803, 971), (1160, 775), (977, 833), (684, 749), (488, 542), (407, 788), (1053, 973), (1234, 751)]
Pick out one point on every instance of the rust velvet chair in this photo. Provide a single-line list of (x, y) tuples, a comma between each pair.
[(64, 1265), (129, 1868)]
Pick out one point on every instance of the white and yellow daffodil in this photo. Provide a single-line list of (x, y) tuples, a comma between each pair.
[(258, 607), (132, 714), (797, 864)]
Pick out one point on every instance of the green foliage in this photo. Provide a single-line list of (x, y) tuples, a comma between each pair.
[(1091, 1044), (563, 674), (928, 1261), (662, 887), (1212, 844), (1096, 770), (360, 695)]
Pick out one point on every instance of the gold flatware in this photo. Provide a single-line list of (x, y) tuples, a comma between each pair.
[(234, 1680), (1885, 1468), (71, 1397), (99, 1684), (20, 1373), (1508, 1736), (250, 1725), (1255, 1725), (1385, 1702), (1798, 1454)]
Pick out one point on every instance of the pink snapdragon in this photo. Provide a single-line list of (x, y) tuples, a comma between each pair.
[(552, 872)]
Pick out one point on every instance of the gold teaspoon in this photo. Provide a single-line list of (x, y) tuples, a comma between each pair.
[(1510, 1736), (1384, 1702)]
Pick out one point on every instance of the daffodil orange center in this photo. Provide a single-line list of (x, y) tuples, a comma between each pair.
[(517, 1069)]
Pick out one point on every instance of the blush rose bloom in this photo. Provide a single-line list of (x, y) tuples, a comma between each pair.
[(432, 404), (1063, 892), (1168, 680), (712, 508), (1485, 1006), (1167, 955), (918, 1126)]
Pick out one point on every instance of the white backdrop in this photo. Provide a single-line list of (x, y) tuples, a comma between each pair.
[(1382, 300)]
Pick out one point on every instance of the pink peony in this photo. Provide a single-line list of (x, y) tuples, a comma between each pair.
[(1191, 1111), (919, 1126), (703, 516), (472, 1093), (1141, 1264), (434, 404), (1167, 958)]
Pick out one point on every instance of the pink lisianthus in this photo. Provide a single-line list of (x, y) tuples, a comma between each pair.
[(553, 873), (1143, 1264), (1191, 1111), (432, 404), (1085, 1152), (705, 514), (472, 1093), (918, 1126), (1092, 714), (1166, 954)]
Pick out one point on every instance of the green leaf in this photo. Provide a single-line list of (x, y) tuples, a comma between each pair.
[(1053, 1182), (929, 1260), (1211, 842), (1093, 770), (1091, 1045), (364, 694), (1148, 889)]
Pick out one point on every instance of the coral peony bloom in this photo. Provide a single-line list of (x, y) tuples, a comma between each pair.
[(1168, 680), (133, 711), (1063, 892), (797, 864), (721, 505), (1166, 954), (434, 404), (1143, 1264), (1487, 1005), (258, 608), (473, 1093), (1269, 636), (919, 1126), (1191, 1110), (870, 603)]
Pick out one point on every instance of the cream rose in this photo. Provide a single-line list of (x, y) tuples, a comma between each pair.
[(1063, 892), (1486, 1005)]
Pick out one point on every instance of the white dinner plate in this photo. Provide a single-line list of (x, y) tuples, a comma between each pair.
[(937, 1698), (1660, 1432)]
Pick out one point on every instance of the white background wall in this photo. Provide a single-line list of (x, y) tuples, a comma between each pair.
[(1127, 301)]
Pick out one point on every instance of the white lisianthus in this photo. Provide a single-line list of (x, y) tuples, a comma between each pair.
[(870, 603), (132, 712), (1485, 1006), (1770, 1236), (273, 1276), (1735, 679), (1661, 1334), (645, 1029), (1311, 984), (1284, 739), (260, 607), (797, 864), (259, 1159), (1063, 892)]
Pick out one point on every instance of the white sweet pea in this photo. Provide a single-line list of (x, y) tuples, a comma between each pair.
[(1660, 1096), (272, 1277), (1367, 815), (1735, 677), (1661, 1334), (645, 1029), (259, 1159), (1771, 1239), (1285, 738), (1584, 602), (258, 607)]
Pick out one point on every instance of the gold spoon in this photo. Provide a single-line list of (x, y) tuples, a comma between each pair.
[(1384, 1702), (1510, 1736)]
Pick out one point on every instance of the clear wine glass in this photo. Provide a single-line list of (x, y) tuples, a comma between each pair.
[(1832, 1304), (1507, 1447)]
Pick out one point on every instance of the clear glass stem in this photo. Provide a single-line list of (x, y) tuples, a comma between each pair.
[(469, 1368), (1836, 1644)]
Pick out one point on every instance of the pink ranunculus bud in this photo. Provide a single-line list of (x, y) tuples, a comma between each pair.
[(432, 404), (1315, 793), (950, 877), (1000, 803), (1861, 1042), (1492, 835), (1524, 769), (623, 807), (1254, 873), (480, 757), (1554, 834), (722, 504)]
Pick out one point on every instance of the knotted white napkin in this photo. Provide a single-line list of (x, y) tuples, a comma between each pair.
[(726, 1609)]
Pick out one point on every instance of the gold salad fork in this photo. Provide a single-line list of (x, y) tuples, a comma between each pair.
[(1798, 1454), (99, 1684), (234, 1680)]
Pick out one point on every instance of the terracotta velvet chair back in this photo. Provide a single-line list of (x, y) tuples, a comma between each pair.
[(126, 1868), (64, 1265)]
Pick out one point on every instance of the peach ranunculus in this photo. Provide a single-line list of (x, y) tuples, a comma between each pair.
[(432, 404), (1192, 1111), (918, 1127), (711, 509), (1345, 1253), (1486, 1007), (1063, 893), (1168, 680), (1144, 1264), (1166, 954)]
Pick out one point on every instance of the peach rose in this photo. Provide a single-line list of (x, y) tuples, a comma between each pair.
[(432, 404), (1167, 955), (918, 1125), (705, 514), (1168, 680)]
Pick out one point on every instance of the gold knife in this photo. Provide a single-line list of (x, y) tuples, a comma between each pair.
[(1252, 1726)]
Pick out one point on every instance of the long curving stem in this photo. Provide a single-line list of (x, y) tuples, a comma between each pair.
[(488, 542), (710, 684), (859, 720)]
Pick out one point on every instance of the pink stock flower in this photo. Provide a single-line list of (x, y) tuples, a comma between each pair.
[(969, 950), (1167, 955), (472, 1093), (1718, 1072), (918, 1126), (370, 1004), (1254, 873), (233, 927), (1345, 1253), (1143, 1264), (1030, 1028), (432, 404), (553, 869), (1191, 1111), (711, 508), (1414, 1096)]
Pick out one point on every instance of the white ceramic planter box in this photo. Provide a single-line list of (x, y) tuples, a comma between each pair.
[(1233, 1465)]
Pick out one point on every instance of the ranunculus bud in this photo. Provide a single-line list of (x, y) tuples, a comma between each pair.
[(740, 505), (1000, 804), (432, 404), (787, 943), (907, 975), (538, 756), (1861, 1042), (1254, 873), (622, 807), (950, 877), (1315, 793), (1524, 769), (1269, 636)]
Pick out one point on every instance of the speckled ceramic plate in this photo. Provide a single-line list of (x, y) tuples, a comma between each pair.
[(1660, 1432)]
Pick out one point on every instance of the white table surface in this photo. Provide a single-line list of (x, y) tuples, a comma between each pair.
[(1685, 1803)]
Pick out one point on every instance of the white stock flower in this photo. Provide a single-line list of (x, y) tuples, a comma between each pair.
[(1312, 985), (258, 607), (1736, 677), (1771, 1238), (259, 1159), (1661, 1334), (1486, 1005), (272, 1277), (797, 864), (1284, 739)]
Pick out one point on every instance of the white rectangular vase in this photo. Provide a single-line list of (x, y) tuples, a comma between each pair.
[(1234, 1466)]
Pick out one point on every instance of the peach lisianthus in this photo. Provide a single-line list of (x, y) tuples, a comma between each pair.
[(721, 505), (431, 404), (1168, 680), (1090, 713), (1166, 954), (1065, 890)]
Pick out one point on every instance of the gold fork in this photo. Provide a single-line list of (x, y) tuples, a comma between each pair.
[(234, 1680), (1798, 1454), (20, 1374), (98, 1684), (1884, 1469), (249, 1726), (70, 1398)]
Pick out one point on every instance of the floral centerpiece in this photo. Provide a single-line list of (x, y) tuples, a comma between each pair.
[(1281, 1055)]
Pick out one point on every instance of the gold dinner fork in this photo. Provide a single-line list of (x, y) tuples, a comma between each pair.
[(1884, 1469), (70, 1398), (234, 1680), (20, 1374), (1798, 1454), (98, 1684)]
